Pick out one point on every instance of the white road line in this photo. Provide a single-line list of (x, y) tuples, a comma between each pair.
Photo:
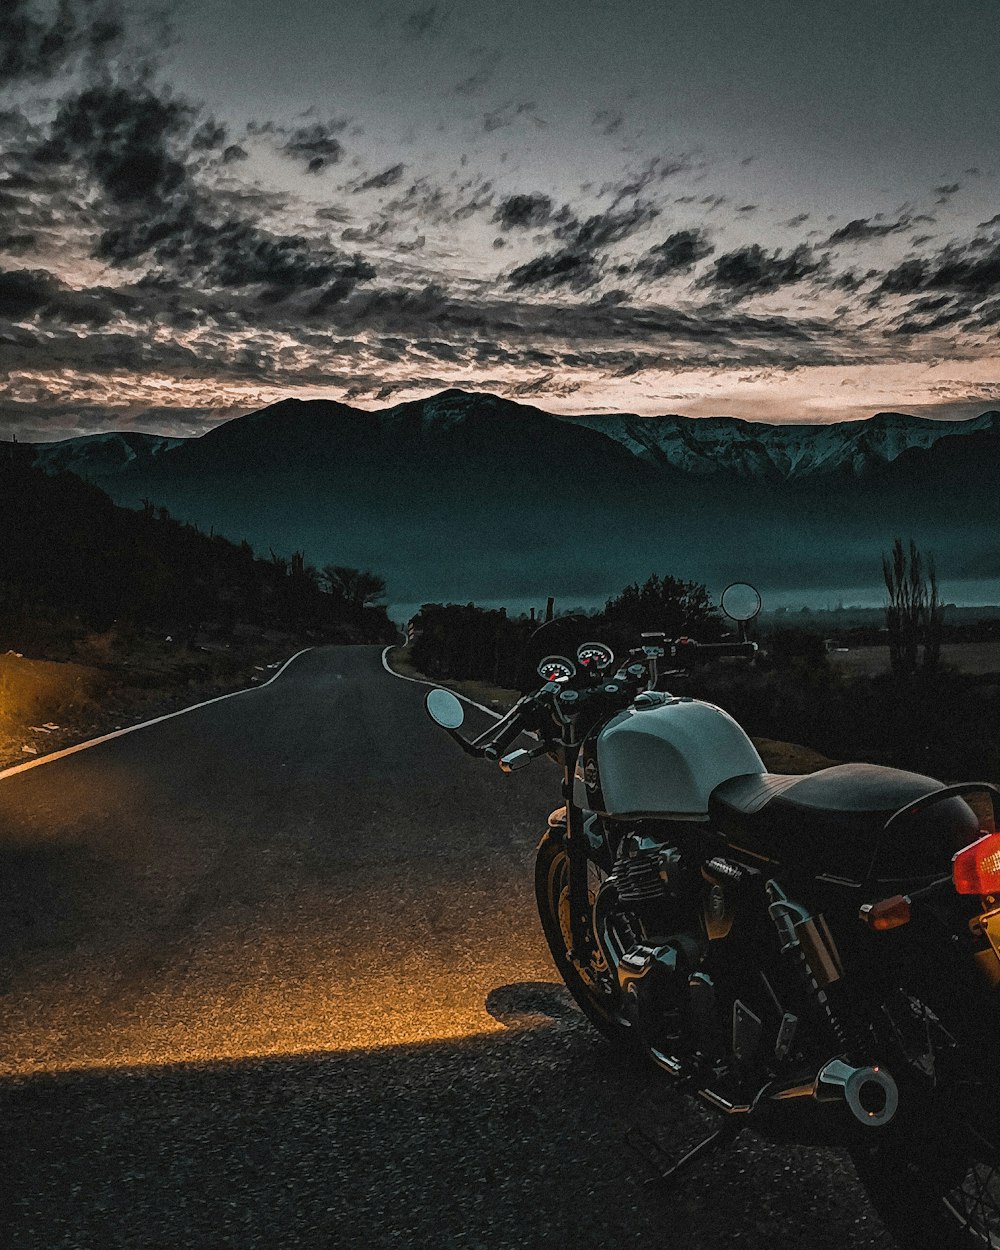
[(418, 681), (130, 729)]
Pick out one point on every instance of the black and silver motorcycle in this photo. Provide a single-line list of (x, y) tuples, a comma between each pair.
[(817, 957)]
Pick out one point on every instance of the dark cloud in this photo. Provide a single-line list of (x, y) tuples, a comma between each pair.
[(602, 229), (39, 41), (573, 267), (234, 152), (387, 178), (608, 121), (228, 253), (211, 134), (127, 138), (523, 211), (677, 253), (799, 219), (864, 229), (359, 234), (425, 23), (475, 81), (905, 278), (509, 113), (993, 221), (752, 271), (317, 144), (973, 270), (946, 191), (139, 149), (356, 270), (26, 294)]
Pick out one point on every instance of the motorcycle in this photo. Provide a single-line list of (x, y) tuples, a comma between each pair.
[(816, 957)]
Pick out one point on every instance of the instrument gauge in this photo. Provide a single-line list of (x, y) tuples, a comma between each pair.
[(595, 657), (556, 668)]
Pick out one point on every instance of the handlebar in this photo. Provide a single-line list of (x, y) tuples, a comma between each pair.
[(557, 702)]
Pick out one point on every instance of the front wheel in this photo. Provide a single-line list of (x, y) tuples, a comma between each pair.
[(586, 983)]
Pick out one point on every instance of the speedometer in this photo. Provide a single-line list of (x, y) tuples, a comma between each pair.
[(595, 656), (556, 668)]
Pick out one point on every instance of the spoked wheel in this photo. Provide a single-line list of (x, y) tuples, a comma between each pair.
[(938, 1187), (587, 983), (943, 1196)]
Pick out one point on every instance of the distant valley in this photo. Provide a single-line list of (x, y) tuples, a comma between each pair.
[(468, 496)]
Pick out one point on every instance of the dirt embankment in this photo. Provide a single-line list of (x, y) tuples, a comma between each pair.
[(106, 682)]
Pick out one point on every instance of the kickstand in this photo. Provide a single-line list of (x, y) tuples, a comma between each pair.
[(652, 1153)]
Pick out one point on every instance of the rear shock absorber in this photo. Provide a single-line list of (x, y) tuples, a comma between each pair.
[(808, 941)]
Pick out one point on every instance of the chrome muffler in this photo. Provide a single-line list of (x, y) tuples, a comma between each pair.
[(870, 1092), (814, 1109)]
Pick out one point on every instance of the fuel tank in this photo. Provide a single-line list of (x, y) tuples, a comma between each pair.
[(662, 758)]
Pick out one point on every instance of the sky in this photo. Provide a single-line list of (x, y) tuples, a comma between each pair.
[(767, 209)]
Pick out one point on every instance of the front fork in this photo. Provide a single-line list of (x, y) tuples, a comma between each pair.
[(581, 921)]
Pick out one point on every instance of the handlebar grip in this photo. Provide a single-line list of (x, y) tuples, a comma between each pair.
[(498, 744)]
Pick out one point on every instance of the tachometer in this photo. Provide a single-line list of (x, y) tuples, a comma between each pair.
[(595, 656), (556, 668)]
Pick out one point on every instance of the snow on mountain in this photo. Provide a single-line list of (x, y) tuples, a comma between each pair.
[(102, 453), (697, 446), (751, 449)]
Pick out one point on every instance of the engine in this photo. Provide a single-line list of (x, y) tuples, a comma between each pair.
[(648, 921)]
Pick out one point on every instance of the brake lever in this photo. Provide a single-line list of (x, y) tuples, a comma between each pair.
[(521, 758)]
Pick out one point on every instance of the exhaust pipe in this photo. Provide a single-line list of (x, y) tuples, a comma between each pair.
[(812, 1110), (870, 1092)]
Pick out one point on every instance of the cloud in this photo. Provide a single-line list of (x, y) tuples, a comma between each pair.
[(608, 121), (523, 211), (27, 294), (677, 253), (946, 191), (474, 82), (39, 42), (573, 267), (509, 113), (126, 139), (602, 229), (141, 149), (865, 229), (425, 23), (387, 178), (749, 271), (972, 270), (317, 144)]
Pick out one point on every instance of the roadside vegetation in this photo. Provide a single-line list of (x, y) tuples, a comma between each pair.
[(108, 614), (918, 713)]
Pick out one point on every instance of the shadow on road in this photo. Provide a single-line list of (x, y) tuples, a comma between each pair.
[(508, 1140)]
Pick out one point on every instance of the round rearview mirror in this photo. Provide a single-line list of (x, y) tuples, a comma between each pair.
[(445, 709), (740, 601)]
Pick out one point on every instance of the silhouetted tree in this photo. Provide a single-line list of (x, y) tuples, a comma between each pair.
[(358, 588), (914, 613)]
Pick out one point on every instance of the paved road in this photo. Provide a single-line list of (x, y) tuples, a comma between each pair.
[(271, 977)]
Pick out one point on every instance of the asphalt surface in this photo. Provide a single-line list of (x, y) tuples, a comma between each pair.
[(270, 976)]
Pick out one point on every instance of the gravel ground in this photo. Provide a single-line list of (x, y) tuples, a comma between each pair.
[(508, 1142)]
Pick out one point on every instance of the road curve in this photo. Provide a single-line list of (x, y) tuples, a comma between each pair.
[(270, 976)]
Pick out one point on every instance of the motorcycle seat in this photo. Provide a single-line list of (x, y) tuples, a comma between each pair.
[(828, 821)]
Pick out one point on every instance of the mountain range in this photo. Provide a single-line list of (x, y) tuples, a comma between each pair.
[(467, 495)]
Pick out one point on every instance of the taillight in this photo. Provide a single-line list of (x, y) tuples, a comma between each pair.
[(976, 870)]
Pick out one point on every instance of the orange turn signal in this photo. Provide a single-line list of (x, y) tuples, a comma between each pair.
[(887, 913)]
